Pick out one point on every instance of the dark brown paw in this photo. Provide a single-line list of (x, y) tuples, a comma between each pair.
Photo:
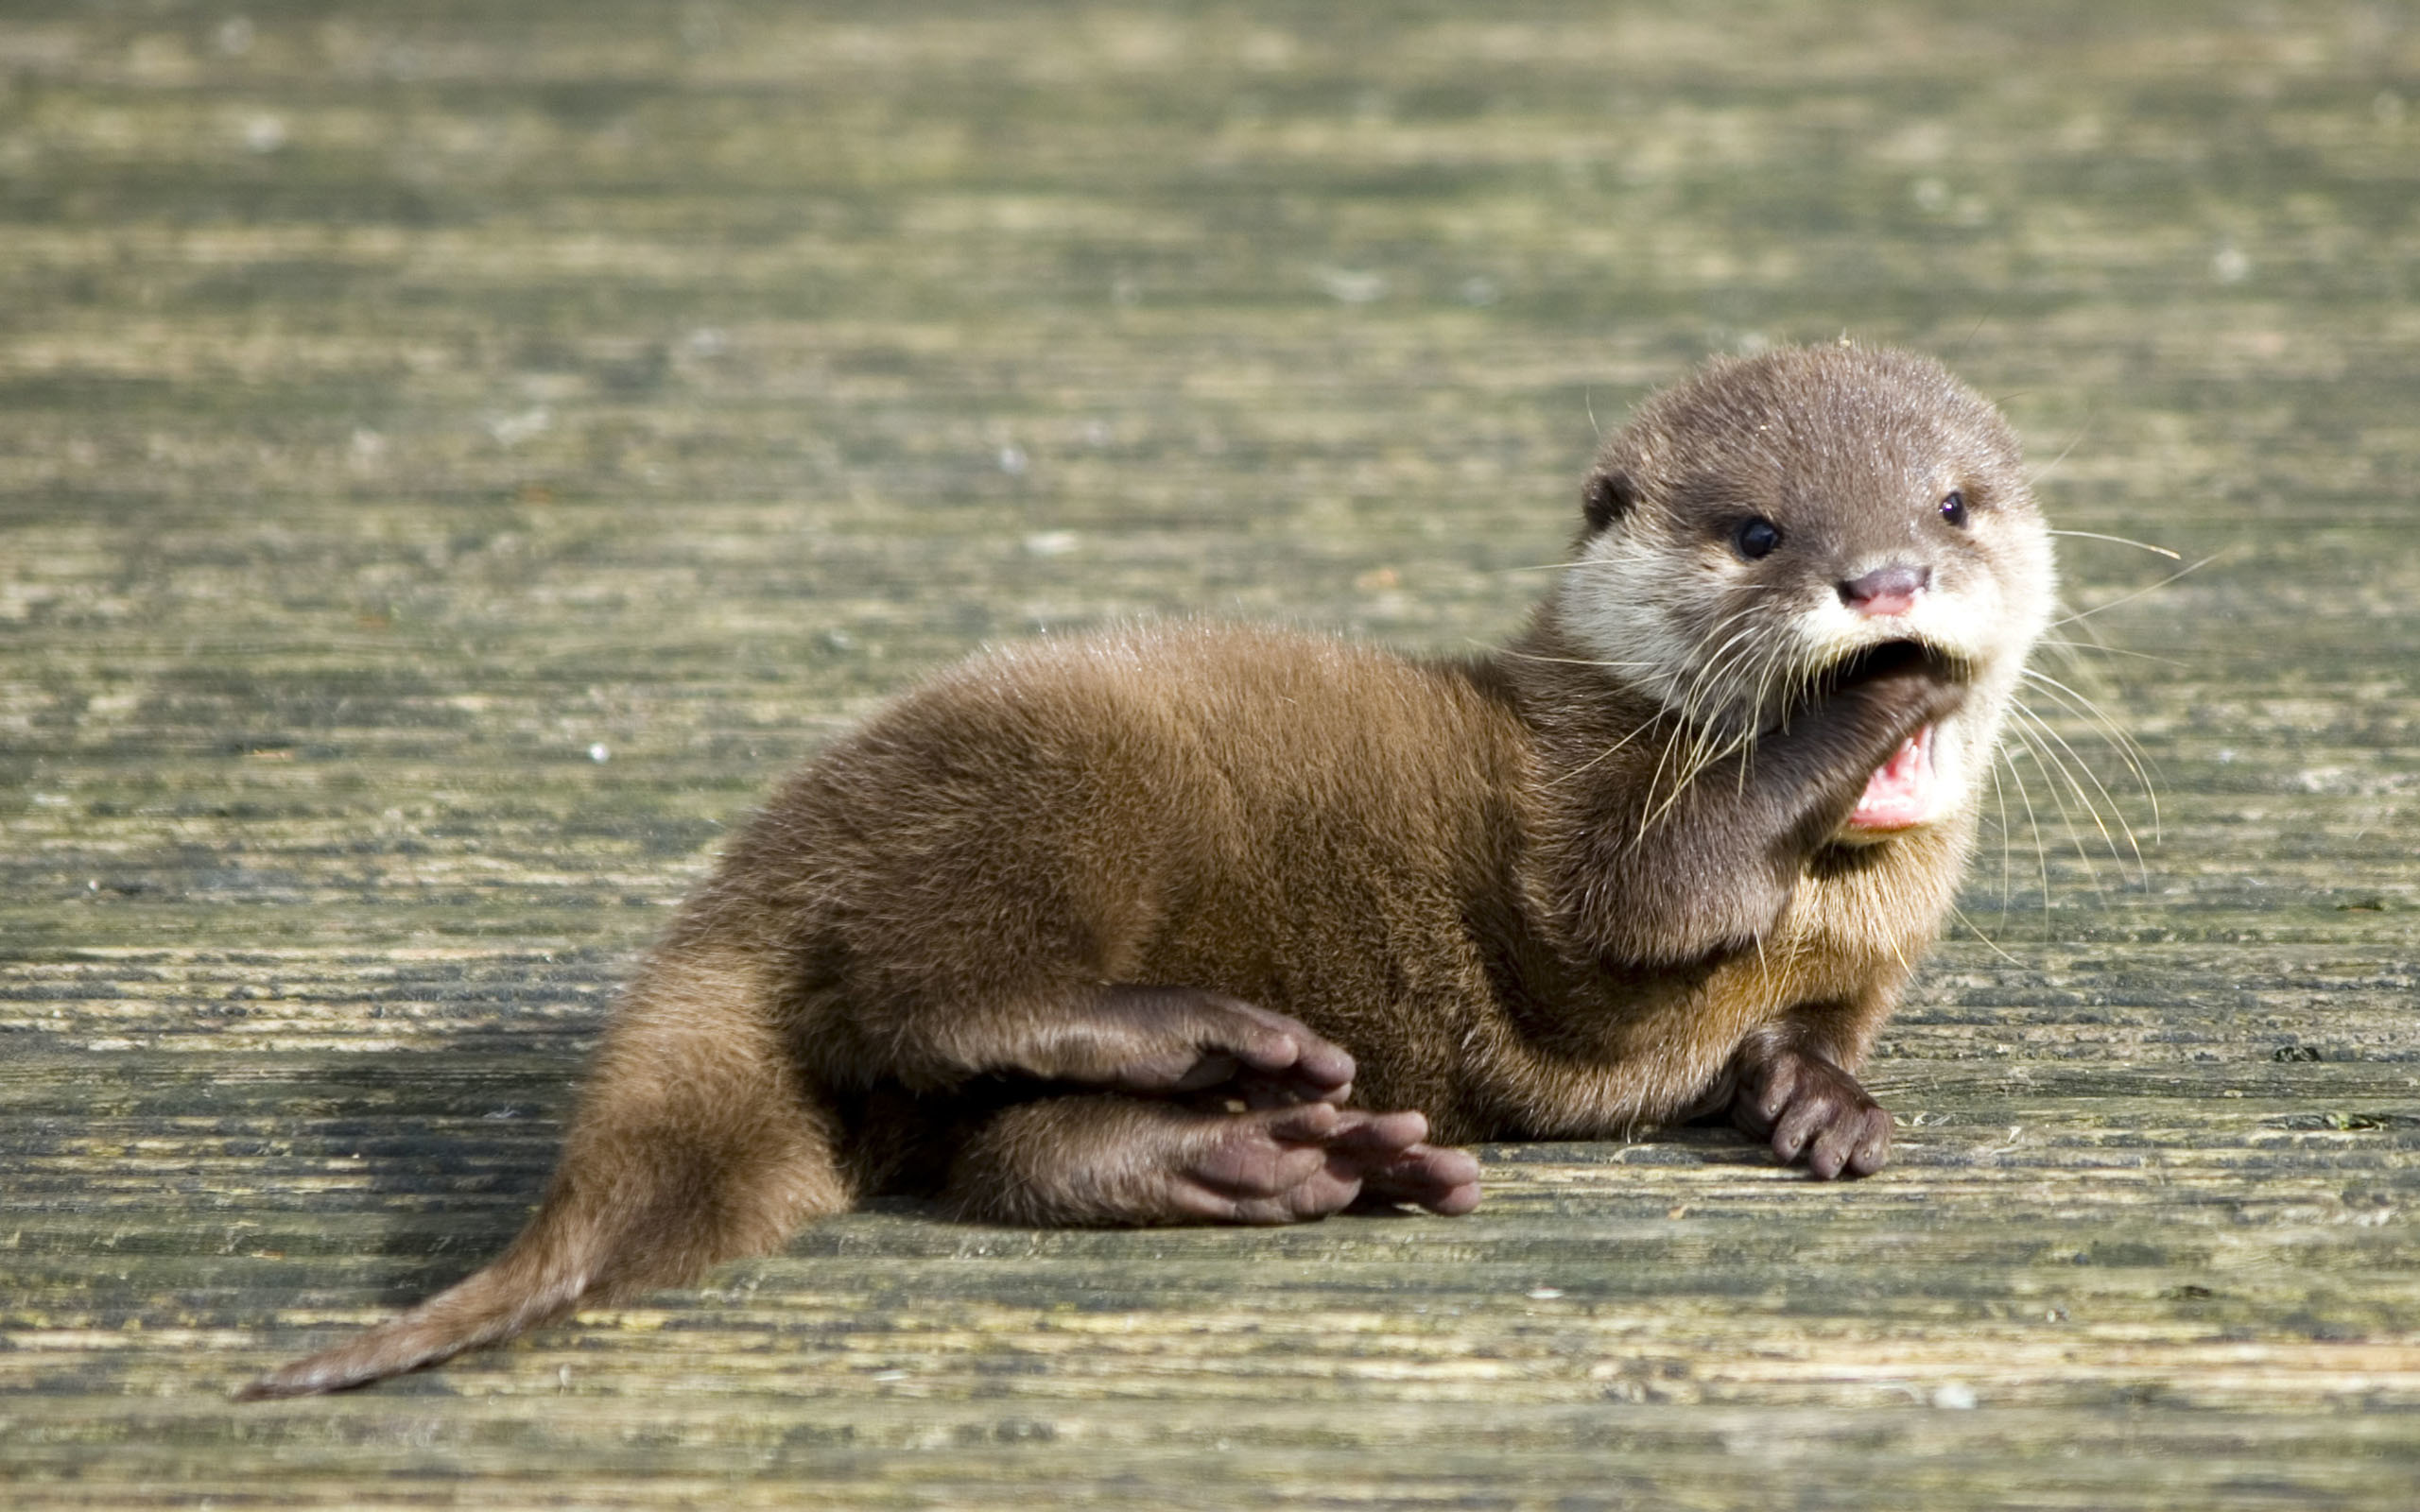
[(1865, 720), (1813, 1113), (1112, 1158), (1286, 1165), (1267, 1167), (1419, 1175), (1186, 1039)]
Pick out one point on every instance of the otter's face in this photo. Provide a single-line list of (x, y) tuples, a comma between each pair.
[(1779, 524)]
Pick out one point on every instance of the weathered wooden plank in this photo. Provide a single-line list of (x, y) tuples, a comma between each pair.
[(451, 457)]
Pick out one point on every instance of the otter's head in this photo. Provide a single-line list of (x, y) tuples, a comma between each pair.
[(1776, 526)]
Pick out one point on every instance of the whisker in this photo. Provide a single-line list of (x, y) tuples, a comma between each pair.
[(1711, 674), (1704, 668), (1561, 660), (1702, 751), (2033, 824), (1892, 943), (2129, 751), (1708, 663), (1958, 350), (1999, 798), (2081, 797), (2082, 426), (1602, 757), (1988, 941), (1768, 675), (2059, 802), (2085, 615), (2107, 650), (2094, 535)]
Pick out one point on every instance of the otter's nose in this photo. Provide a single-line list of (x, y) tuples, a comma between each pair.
[(1890, 590)]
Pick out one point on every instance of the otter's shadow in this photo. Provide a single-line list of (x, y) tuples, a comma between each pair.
[(454, 1149)]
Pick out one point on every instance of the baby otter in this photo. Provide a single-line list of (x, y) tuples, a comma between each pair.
[(1191, 924)]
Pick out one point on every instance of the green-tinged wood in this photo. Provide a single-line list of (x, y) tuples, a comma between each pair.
[(452, 457)]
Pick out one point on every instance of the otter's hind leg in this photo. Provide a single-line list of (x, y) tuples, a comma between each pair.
[(1122, 1036), (1140, 1154), (695, 1142), (1112, 1159)]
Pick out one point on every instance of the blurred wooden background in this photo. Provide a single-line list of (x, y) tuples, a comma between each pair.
[(453, 455)]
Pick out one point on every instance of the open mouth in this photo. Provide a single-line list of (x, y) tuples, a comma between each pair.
[(1905, 790), (1894, 659), (1900, 794)]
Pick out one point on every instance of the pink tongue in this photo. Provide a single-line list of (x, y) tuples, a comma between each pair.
[(1899, 793)]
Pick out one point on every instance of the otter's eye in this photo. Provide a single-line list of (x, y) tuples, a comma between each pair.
[(1953, 508), (1756, 537)]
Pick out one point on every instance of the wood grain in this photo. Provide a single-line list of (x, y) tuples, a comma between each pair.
[(452, 457)]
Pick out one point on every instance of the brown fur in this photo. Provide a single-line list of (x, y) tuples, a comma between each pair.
[(1143, 927)]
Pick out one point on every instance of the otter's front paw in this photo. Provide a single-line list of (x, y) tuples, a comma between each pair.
[(1864, 722), (1812, 1112)]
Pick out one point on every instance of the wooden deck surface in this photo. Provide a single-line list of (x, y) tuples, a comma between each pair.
[(452, 457)]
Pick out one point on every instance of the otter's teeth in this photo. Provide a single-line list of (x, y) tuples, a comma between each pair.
[(1900, 792)]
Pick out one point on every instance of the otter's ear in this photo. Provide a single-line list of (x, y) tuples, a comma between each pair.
[(1607, 497)]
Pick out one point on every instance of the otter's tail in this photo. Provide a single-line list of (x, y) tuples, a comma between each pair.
[(539, 1278), (696, 1143)]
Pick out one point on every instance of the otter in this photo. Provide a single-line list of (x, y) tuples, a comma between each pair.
[(1197, 925)]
